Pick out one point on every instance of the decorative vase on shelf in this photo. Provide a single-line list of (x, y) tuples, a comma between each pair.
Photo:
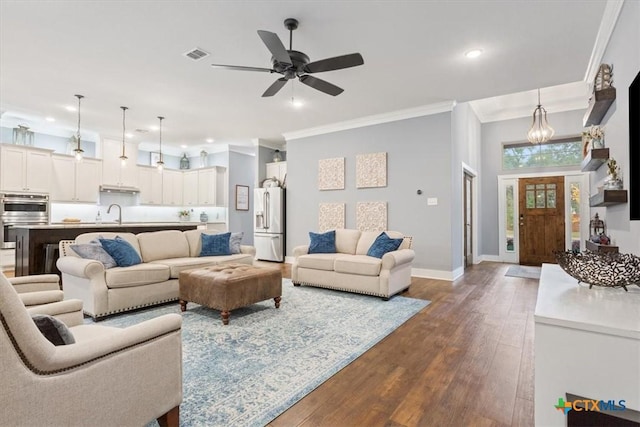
[(277, 157), (597, 143), (184, 162)]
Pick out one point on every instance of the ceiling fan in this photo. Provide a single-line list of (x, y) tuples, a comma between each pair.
[(293, 63)]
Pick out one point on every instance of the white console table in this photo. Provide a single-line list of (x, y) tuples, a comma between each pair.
[(587, 342)]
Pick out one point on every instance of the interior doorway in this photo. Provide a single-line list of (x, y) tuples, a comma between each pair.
[(541, 219), (468, 219)]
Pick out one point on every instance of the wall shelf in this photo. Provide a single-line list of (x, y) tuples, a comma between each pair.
[(599, 105), (597, 247), (594, 159), (608, 197)]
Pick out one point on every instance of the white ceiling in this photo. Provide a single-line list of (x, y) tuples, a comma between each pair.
[(131, 53)]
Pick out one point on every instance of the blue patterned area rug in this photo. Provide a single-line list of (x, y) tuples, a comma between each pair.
[(266, 359)]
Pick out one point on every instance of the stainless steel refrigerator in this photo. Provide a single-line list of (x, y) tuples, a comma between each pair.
[(269, 226)]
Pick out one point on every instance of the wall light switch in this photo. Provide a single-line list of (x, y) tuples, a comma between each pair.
[(432, 201)]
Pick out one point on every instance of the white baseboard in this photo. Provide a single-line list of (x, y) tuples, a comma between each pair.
[(490, 258), (289, 259), (437, 274)]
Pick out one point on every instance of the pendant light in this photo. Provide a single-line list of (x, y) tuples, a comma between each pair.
[(123, 157), (540, 130), (78, 151), (160, 162)]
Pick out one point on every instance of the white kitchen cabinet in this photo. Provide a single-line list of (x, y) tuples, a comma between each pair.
[(172, 188), (190, 188), (150, 181), (25, 169), (113, 173), (277, 169), (207, 187), (75, 181)]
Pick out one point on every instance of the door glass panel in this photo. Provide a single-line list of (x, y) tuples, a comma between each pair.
[(540, 186), (551, 199), (510, 218), (540, 199), (530, 187), (531, 199), (551, 186), (575, 216)]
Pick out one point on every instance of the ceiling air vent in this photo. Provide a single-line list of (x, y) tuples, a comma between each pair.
[(196, 54)]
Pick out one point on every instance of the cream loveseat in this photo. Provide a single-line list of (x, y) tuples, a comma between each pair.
[(351, 269), (164, 255)]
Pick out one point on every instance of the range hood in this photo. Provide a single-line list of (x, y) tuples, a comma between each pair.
[(119, 189)]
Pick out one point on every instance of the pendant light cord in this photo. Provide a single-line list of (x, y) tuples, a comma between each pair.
[(161, 119), (124, 110)]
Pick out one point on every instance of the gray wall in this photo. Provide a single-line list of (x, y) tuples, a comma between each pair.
[(466, 133), (624, 53), (241, 172), (264, 156), (494, 134), (418, 157)]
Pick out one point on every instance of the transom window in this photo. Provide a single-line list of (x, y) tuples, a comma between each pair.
[(557, 152)]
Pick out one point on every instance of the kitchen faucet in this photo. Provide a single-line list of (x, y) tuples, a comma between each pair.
[(119, 211)]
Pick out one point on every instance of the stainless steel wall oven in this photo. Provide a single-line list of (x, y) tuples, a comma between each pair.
[(21, 209)]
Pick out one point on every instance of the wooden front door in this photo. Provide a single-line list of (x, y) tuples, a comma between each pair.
[(541, 210)]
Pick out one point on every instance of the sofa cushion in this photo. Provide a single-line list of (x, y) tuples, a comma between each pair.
[(383, 244), (129, 237), (176, 265), (317, 261), (322, 243), (195, 241), (347, 241), (358, 264), (53, 329), (215, 244), (94, 250), (162, 245), (136, 275), (368, 237), (235, 242), (121, 251)]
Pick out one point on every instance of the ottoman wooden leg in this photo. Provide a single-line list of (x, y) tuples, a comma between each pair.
[(277, 300), (183, 305), (225, 317)]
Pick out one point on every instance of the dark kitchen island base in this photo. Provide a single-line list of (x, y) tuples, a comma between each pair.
[(31, 241)]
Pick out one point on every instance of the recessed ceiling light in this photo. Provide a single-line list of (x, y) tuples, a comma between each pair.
[(70, 108), (183, 146), (209, 140), (50, 119), (129, 135), (153, 127), (473, 53), (296, 103)]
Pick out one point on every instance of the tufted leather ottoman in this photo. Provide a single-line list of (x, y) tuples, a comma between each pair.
[(226, 287)]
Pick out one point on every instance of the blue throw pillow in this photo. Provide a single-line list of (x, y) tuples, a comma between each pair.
[(215, 244), (383, 244), (121, 251), (322, 243)]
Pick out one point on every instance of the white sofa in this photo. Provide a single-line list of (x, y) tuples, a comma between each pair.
[(164, 255), (351, 269)]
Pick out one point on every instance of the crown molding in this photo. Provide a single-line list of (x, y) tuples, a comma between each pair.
[(607, 24), (425, 110)]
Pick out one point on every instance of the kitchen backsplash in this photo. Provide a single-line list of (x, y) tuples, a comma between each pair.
[(136, 213)]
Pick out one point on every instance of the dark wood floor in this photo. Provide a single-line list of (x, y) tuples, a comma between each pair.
[(465, 360)]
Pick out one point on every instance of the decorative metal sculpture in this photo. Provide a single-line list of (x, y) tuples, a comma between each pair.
[(612, 270)]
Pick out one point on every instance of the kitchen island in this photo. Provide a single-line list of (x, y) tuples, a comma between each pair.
[(32, 240)]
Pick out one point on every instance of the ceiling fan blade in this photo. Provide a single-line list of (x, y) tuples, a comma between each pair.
[(275, 87), (242, 68), (335, 63), (275, 46), (321, 85)]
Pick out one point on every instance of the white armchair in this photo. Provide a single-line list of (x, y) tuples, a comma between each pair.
[(109, 376), (41, 294)]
